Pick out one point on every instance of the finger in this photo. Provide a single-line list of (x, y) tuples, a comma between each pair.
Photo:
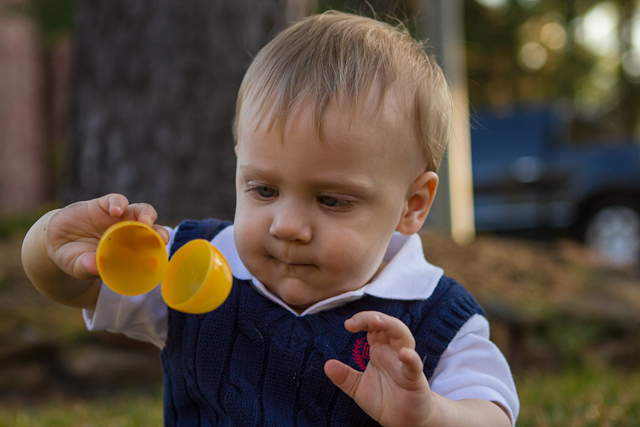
[(344, 377), (114, 204), (372, 321), (164, 234), (412, 366), (142, 212), (360, 321)]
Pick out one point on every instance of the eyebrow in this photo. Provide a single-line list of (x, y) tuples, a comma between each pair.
[(359, 186)]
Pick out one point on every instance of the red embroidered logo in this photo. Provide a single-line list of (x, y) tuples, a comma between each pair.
[(361, 353)]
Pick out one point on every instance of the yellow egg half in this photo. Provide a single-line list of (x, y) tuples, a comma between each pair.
[(198, 278), (131, 258)]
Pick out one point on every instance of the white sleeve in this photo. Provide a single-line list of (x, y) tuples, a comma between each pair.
[(472, 367), (142, 317)]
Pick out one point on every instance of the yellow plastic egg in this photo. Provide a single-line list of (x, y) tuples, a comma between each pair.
[(198, 278)]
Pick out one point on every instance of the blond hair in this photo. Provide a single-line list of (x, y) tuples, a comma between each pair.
[(339, 58)]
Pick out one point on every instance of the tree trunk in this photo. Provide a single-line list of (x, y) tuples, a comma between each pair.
[(155, 85)]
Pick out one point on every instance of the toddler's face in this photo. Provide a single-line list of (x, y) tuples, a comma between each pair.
[(314, 218)]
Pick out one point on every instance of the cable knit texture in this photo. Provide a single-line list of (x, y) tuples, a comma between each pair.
[(253, 363)]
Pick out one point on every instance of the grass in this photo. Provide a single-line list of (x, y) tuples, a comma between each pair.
[(125, 410), (590, 397)]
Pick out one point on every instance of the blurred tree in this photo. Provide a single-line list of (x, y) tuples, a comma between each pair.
[(154, 95)]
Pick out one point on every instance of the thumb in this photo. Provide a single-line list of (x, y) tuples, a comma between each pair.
[(346, 378), (85, 266)]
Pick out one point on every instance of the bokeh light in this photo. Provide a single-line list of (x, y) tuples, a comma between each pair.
[(494, 4), (553, 35), (597, 31), (532, 56)]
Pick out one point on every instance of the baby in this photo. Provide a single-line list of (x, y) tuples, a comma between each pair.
[(341, 124)]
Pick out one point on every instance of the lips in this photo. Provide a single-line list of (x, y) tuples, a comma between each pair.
[(289, 261), (289, 255), (292, 264)]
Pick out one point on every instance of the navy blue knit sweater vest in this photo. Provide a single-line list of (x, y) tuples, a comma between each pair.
[(253, 363)]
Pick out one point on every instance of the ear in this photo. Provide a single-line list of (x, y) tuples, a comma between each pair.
[(417, 203), (235, 149)]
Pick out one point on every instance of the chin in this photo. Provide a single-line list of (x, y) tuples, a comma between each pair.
[(293, 293), (297, 303)]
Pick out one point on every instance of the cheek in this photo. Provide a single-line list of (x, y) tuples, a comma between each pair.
[(247, 231), (354, 256)]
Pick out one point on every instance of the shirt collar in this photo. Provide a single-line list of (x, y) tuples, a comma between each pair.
[(407, 275)]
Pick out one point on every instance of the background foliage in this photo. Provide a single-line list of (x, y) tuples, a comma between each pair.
[(581, 54)]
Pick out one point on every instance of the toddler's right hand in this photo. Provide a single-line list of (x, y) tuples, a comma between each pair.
[(72, 234)]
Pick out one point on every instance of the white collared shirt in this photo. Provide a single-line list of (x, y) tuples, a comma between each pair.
[(471, 367)]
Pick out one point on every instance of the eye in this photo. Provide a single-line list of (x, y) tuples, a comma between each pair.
[(264, 191), (329, 201), (334, 202)]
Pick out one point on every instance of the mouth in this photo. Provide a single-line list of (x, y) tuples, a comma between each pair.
[(291, 264)]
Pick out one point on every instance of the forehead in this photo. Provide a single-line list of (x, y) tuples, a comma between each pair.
[(372, 116), (339, 131), (339, 128), (363, 143)]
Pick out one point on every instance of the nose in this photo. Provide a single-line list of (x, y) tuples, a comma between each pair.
[(292, 224)]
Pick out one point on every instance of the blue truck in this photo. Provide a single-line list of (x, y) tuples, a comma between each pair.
[(530, 173)]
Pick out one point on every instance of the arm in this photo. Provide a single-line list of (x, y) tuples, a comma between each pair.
[(472, 367), (59, 251), (394, 390)]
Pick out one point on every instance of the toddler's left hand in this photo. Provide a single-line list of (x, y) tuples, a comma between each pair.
[(393, 389)]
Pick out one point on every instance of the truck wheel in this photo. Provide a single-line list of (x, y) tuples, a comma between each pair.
[(612, 229)]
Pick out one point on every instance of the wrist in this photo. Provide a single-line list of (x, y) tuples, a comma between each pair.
[(465, 413), (436, 411)]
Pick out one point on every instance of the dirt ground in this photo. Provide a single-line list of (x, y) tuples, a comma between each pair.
[(549, 304), (534, 276), (46, 350)]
